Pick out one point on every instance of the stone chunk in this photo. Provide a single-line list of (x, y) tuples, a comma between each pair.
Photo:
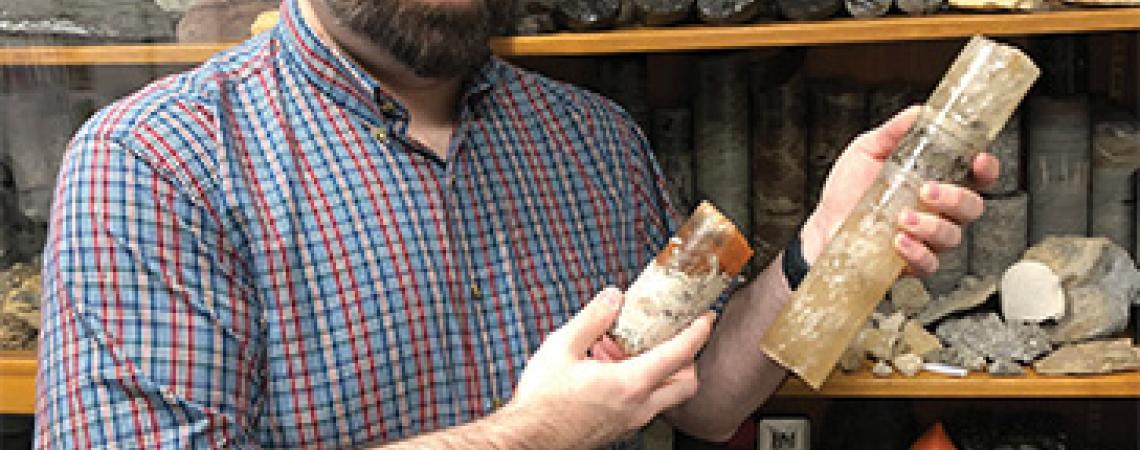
[(1091, 358), (987, 335), (971, 293), (728, 11), (879, 343), (588, 14), (892, 323), (915, 339), (882, 369), (1005, 367), (908, 364), (663, 12), (909, 296)]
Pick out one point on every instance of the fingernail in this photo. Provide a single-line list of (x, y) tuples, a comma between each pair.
[(932, 191), (910, 218), (905, 242)]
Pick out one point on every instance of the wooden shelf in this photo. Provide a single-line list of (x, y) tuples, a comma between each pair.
[(17, 382), (930, 385), (18, 374), (683, 38)]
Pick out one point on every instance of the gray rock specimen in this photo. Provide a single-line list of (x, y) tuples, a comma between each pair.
[(867, 8), (728, 11), (221, 20), (1091, 358), (919, 7), (584, 15), (987, 335), (673, 141), (809, 9), (908, 364), (953, 265), (1115, 157), (891, 322), (1000, 236), (532, 24), (971, 293), (838, 114), (1005, 367), (916, 340), (1058, 166), (85, 20), (1099, 282), (779, 154), (35, 155), (721, 136), (663, 12), (882, 369), (909, 296), (1007, 148)]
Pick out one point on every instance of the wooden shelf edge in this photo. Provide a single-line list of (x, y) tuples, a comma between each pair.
[(929, 385), (17, 382), (671, 39)]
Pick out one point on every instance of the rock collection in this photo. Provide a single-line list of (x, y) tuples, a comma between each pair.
[(20, 294)]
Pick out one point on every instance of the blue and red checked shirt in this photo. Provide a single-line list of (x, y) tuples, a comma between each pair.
[(254, 254)]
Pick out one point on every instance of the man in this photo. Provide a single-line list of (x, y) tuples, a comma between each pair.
[(359, 229)]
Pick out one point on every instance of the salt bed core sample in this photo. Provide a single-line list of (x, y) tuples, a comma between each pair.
[(964, 114), (682, 281)]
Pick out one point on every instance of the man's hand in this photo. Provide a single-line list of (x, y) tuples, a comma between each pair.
[(589, 402), (922, 234)]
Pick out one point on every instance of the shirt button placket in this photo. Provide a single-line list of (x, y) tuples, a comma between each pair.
[(380, 134)]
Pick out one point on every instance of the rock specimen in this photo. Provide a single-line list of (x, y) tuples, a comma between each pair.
[(721, 136), (86, 20), (955, 357), (1058, 166), (987, 335), (882, 369), (1007, 149), (1031, 292), (1090, 358), (953, 265), (33, 154), (584, 15), (1098, 279), (1115, 158), (879, 343), (673, 141), (916, 340), (809, 9), (909, 296), (728, 11), (867, 8), (779, 154), (221, 20), (891, 322), (908, 364), (972, 292), (1005, 367), (20, 294), (624, 81), (838, 115), (1003, 5), (1000, 236), (919, 7), (663, 12)]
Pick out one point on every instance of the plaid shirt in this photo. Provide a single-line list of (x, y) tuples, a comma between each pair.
[(254, 254)]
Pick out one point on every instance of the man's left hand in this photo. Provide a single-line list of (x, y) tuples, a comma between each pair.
[(945, 208)]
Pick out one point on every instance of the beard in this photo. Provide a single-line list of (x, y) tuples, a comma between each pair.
[(433, 40)]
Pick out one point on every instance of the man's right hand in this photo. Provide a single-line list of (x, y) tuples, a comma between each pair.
[(589, 403)]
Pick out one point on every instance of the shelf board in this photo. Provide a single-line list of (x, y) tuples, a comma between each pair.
[(976, 385), (671, 39), (18, 375), (17, 382)]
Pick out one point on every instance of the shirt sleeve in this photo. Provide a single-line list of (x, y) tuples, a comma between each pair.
[(151, 332)]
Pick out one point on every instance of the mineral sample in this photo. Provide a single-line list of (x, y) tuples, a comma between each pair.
[(19, 307), (85, 20), (1099, 281), (879, 343), (1007, 149), (728, 11), (973, 292), (1005, 367), (721, 136), (1032, 292), (987, 335), (1058, 166), (588, 14), (867, 8), (915, 339), (882, 369), (892, 322), (663, 12), (919, 7), (221, 20), (1091, 357), (33, 154), (779, 153), (907, 364), (809, 9), (909, 296), (1115, 157)]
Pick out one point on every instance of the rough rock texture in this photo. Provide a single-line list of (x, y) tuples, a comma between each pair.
[(779, 153), (957, 357), (721, 136), (908, 364), (909, 296), (663, 12), (532, 24), (1000, 236), (1003, 5), (1091, 357), (34, 154), (809, 9), (1005, 367), (1115, 158), (20, 294), (1100, 282), (973, 292), (838, 115), (867, 8), (673, 141), (1007, 148), (987, 335), (728, 11), (587, 14), (882, 369), (919, 7), (221, 20), (953, 265), (111, 20), (878, 343), (916, 340), (852, 359), (1058, 166), (890, 322)]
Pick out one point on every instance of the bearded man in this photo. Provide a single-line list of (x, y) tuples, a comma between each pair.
[(361, 229)]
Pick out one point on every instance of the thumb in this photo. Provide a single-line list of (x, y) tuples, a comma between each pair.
[(592, 321)]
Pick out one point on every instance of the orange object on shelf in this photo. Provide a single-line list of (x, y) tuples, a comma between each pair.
[(935, 438)]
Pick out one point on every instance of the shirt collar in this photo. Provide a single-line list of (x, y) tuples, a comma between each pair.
[(341, 77)]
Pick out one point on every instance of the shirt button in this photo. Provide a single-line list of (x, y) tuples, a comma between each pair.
[(387, 106), (476, 292), (380, 134)]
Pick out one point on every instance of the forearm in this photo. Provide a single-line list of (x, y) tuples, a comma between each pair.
[(510, 428), (735, 376)]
